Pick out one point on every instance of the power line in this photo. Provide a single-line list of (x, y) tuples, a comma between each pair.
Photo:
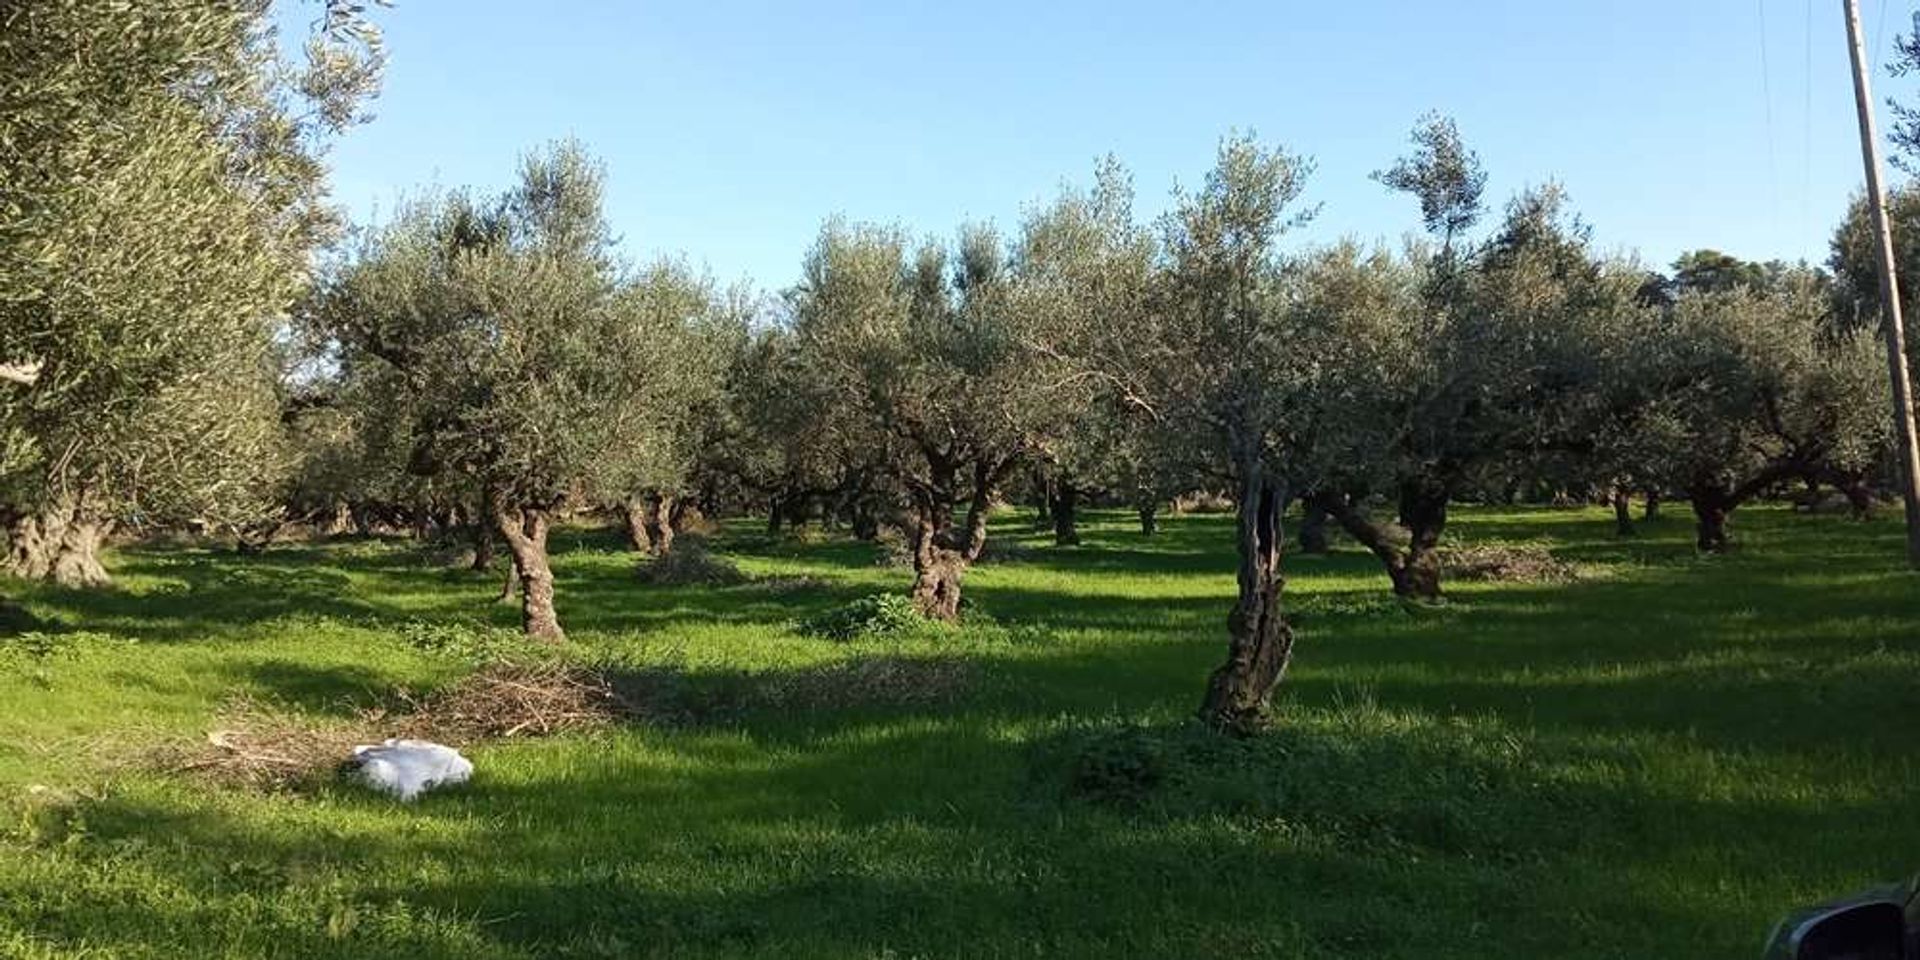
[(1806, 157), (1879, 33), (1766, 94)]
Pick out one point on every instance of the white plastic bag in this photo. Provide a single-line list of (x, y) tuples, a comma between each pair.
[(407, 768)]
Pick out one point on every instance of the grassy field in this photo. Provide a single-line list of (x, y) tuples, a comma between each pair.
[(1656, 760)]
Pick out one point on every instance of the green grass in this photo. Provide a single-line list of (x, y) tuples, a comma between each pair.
[(1653, 762)]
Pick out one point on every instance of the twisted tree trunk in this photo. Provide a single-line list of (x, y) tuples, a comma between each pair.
[(525, 531), (941, 551), (634, 512), (60, 542), (1710, 511), (1622, 513), (1714, 502), (1413, 569), (1149, 517), (1239, 694), (1423, 511), (1043, 515), (659, 524), (1066, 513)]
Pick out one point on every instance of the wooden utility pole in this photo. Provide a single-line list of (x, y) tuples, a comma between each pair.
[(1889, 289)]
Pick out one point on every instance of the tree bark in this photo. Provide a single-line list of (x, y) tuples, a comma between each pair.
[(1622, 513), (1239, 698), (941, 551), (1859, 498), (1313, 526), (1149, 518), (865, 521), (1713, 502), (1043, 515), (1710, 510), (1423, 510), (659, 524), (1413, 577), (60, 542), (525, 531), (937, 572), (1066, 514), (634, 512)]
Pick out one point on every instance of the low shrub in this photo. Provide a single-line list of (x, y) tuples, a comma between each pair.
[(877, 616)]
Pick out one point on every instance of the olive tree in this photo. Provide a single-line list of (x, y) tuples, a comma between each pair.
[(1082, 264), (1749, 389), (1488, 376), (163, 197), (928, 351), (689, 336), (528, 354), (1210, 356)]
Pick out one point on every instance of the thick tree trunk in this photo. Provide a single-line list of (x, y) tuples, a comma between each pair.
[(776, 516), (1622, 513), (937, 572), (1149, 518), (1259, 642), (1414, 570), (1710, 511), (1043, 514), (634, 512), (60, 542), (1066, 514), (525, 531), (1423, 510), (1652, 512), (866, 520), (482, 534), (1313, 526), (941, 551), (1859, 498), (659, 524)]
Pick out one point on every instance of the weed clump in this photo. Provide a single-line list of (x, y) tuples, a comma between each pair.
[(877, 616)]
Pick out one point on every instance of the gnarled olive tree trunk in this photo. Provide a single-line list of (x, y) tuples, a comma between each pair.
[(1622, 513), (1710, 512), (1423, 511), (60, 542), (1713, 501), (942, 551), (1043, 513), (1066, 513), (525, 531), (659, 524), (1259, 642), (634, 512), (1413, 568)]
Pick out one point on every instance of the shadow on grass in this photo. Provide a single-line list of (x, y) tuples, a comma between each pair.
[(1380, 835)]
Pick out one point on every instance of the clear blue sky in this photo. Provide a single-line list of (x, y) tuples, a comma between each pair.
[(732, 129)]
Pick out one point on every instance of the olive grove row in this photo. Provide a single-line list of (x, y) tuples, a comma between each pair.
[(478, 365)]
